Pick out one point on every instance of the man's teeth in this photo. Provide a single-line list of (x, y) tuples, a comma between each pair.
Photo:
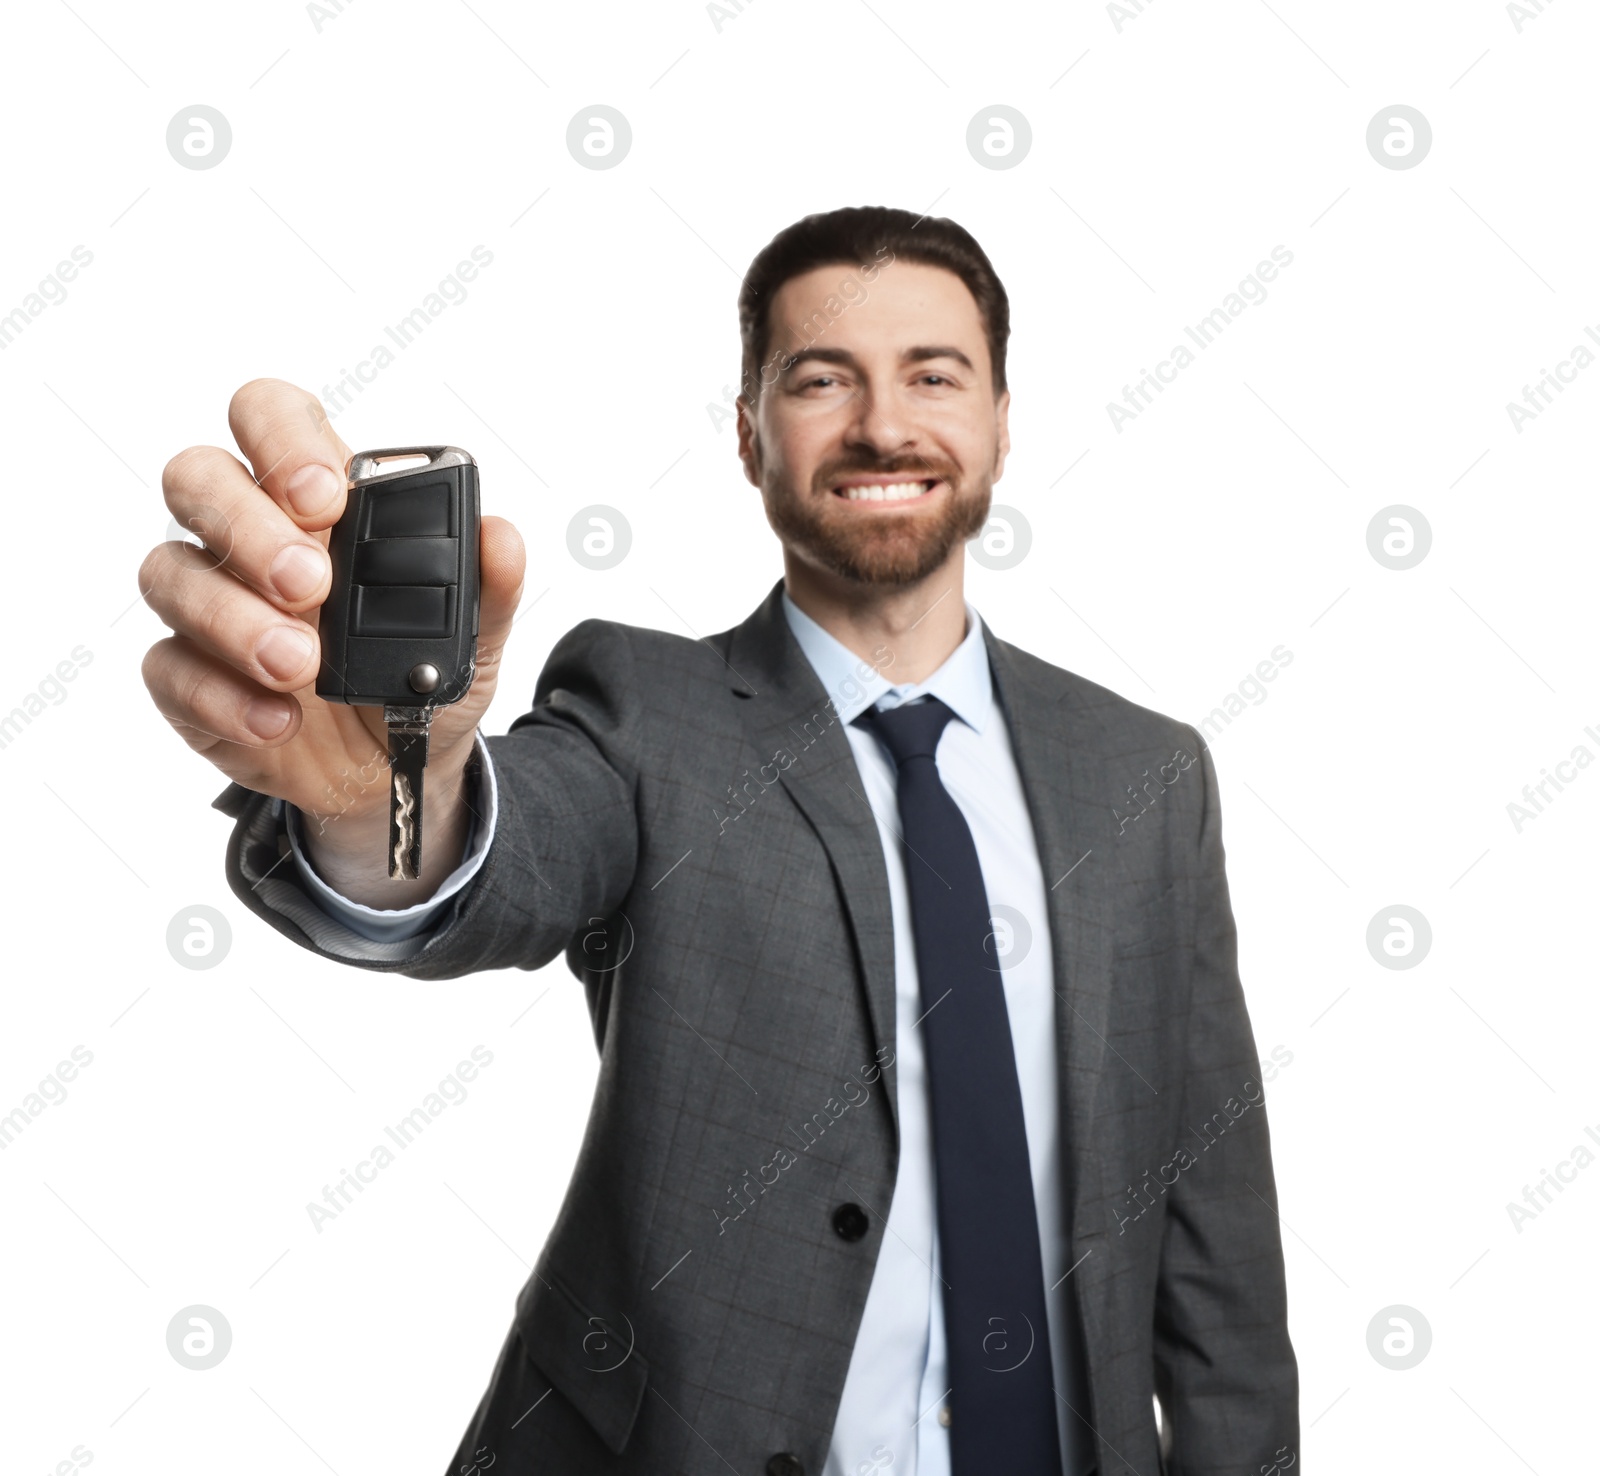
[(894, 492)]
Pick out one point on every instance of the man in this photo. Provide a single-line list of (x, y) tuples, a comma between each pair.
[(928, 1132)]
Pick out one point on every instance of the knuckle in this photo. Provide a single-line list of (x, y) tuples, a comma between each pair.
[(205, 693), (213, 614), (167, 575), (217, 522)]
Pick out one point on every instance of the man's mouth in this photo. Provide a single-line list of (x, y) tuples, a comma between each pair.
[(875, 490)]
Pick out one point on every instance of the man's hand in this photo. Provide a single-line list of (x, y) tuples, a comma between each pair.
[(237, 676)]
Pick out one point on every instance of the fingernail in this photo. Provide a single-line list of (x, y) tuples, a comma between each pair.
[(312, 488), (283, 651), (266, 718), (297, 571)]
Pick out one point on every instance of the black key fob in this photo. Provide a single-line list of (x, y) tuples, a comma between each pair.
[(399, 628), (400, 625)]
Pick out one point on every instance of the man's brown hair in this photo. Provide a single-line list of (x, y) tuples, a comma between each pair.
[(863, 238)]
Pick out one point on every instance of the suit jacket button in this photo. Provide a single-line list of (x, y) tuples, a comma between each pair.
[(785, 1464), (850, 1222)]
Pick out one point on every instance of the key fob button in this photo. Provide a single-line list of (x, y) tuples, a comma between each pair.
[(425, 610), (424, 677), (406, 561), (421, 511)]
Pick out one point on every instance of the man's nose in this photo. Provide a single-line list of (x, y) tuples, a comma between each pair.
[(877, 421)]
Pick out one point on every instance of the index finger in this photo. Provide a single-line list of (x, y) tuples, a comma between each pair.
[(293, 450)]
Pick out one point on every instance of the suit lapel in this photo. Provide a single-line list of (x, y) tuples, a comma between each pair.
[(1048, 738), (786, 709)]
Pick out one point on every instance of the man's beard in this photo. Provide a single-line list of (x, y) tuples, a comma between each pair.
[(896, 549)]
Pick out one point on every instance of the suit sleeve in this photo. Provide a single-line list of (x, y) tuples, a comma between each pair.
[(1225, 1370), (564, 847)]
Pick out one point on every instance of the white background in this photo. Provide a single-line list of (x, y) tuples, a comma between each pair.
[(371, 152)]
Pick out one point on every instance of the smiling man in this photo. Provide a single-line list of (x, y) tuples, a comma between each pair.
[(917, 1144)]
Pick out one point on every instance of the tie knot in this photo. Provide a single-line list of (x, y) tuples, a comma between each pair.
[(911, 730)]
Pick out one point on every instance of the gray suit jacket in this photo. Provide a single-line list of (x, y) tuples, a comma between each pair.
[(686, 821)]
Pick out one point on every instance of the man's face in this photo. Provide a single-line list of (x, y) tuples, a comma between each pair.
[(893, 395)]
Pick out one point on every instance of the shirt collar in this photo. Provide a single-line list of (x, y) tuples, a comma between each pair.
[(963, 683)]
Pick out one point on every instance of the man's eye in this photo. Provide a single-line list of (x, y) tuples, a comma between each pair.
[(820, 379)]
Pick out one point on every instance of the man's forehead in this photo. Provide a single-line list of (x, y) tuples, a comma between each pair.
[(908, 291)]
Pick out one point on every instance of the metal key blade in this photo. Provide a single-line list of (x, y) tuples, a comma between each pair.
[(408, 757)]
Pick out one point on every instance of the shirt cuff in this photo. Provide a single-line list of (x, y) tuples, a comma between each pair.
[(390, 925)]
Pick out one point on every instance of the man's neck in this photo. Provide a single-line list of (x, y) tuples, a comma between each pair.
[(907, 632)]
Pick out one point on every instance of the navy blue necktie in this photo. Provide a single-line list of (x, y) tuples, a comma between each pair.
[(1002, 1402)]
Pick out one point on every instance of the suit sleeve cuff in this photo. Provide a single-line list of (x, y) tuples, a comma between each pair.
[(380, 925)]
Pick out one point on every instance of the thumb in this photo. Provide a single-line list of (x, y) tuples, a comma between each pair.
[(501, 561)]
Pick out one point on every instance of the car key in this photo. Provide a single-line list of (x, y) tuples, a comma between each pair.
[(399, 628)]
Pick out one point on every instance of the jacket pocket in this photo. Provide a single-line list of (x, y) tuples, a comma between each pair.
[(589, 1357)]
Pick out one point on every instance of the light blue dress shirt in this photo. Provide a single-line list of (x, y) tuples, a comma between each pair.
[(889, 1418)]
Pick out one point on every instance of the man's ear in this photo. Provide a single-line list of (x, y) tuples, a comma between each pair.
[(749, 445), (1002, 449)]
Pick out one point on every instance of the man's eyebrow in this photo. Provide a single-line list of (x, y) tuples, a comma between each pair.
[(934, 351), (917, 355)]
